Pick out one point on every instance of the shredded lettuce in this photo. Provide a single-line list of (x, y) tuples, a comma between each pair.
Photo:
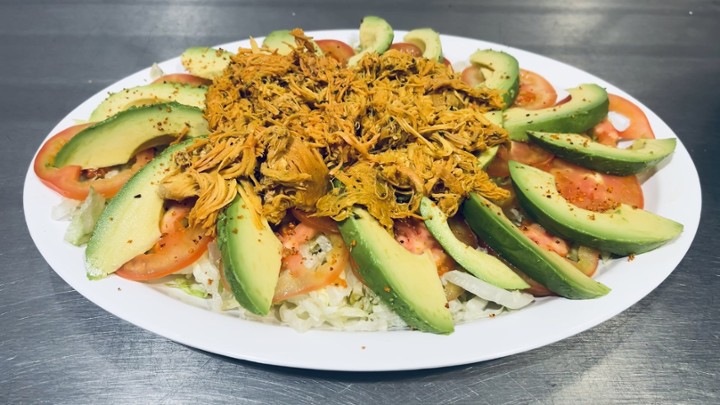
[(202, 279), (65, 210), (352, 307), (188, 286), (84, 219)]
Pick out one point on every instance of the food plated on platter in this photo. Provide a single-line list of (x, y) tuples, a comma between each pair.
[(317, 183)]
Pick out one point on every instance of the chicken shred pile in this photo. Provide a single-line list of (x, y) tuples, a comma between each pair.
[(302, 131)]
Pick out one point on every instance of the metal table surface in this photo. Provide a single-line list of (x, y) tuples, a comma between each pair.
[(57, 347)]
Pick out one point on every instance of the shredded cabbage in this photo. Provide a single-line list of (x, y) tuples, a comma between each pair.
[(348, 307), (65, 210), (188, 286), (353, 307), (84, 219)]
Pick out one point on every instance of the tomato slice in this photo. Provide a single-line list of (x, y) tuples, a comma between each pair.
[(639, 125), (322, 224), (587, 258), (595, 191), (185, 78), (407, 47), (544, 239), (472, 75), (448, 64), (523, 152), (535, 92), (415, 237), (67, 180), (178, 247), (605, 133), (295, 277), (337, 50)]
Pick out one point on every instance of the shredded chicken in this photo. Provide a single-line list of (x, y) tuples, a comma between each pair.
[(306, 132)]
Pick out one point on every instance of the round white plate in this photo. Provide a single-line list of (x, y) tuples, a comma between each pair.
[(673, 192)]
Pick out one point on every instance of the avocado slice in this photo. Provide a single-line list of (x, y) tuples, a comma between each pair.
[(284, 42), (489, 222), (408, 283), (251, 255), (130, 224), (623, 231), (428, 41), (487, 156), (207, 63), (501, 71), (581, 150), (150, 94), (117, 139), (376, 35), (588, 105), (482, 265)]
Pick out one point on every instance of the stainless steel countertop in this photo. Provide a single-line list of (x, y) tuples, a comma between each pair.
[(57, 347)]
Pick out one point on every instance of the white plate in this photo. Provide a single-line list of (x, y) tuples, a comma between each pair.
[(674, 192)]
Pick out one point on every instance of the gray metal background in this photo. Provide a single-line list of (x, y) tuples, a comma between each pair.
[(57, 347)]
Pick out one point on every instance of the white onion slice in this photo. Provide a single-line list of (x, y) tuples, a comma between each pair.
[(619, 121), (472, 284)]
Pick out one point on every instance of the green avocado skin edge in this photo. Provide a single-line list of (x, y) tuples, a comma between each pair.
[(575, 148), (549, 269), (238, 289), (588, 106), (622, 231), (251, 256), (385, 267)]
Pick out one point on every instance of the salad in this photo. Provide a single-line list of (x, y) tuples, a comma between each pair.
[(262, 166)]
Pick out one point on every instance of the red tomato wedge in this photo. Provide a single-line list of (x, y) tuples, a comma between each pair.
[(338, 50), (535, 92), (295, 277), (408, 48), (639, 124), (595, 191), (68, 180), (178, 247), (415, 238), (527, 153), (185, 78)]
